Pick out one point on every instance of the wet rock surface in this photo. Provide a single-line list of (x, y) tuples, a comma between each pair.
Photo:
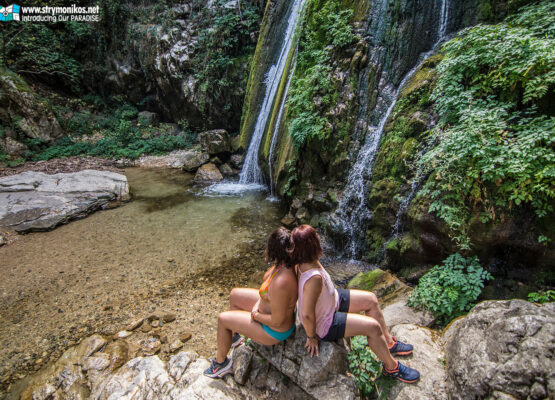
[(34, 201), (502, 349), (208, 173)]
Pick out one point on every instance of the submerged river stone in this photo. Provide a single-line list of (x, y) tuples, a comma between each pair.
[(35, 201)]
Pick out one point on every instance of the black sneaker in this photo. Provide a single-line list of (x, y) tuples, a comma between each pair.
[(402, 373), (217, 370), (237, 340), (400, 349)]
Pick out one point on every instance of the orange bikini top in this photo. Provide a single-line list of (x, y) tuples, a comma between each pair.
[(263, 291)]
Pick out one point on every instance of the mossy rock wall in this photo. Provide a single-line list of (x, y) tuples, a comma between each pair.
[(24, 115), (267, 50)]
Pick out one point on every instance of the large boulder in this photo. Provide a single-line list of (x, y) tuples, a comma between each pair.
[(215, 141), (189, 160), (208, 173), (322, 377), (502, 350), (35, 201), (192, 159), (23, 114), (148, 118)]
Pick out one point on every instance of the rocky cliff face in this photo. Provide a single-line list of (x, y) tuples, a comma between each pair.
[(24, 115), (187, 61), (364, 76)]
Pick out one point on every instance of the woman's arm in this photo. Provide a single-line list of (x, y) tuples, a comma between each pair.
[(311, 292), (279, 310)]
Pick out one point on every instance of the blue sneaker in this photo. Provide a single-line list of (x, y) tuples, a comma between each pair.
[(217, 370), (400, 348), (402, 373), (237, 340)]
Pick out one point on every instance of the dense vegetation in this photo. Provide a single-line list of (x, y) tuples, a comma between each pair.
[(497, 132), (326, 29), (450, 289), (224, 42), (367, 370), (68, 63)]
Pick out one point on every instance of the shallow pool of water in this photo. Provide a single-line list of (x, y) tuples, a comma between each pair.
[(118, 264)]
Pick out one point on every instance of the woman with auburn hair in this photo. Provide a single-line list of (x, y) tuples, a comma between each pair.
[(328, 313), (267, 315)]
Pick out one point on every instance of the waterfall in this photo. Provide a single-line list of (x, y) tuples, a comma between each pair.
[(415, 185), (251, 172), (276, 128), (352, 213)]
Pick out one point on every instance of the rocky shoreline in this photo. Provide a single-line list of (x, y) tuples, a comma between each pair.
[(131, 364)]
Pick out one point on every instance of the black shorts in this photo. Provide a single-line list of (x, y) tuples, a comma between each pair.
[(339, 323)]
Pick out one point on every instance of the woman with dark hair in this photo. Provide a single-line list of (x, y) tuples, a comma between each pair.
[(328, 313), (267, 315)]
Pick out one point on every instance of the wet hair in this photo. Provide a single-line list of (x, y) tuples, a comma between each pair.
[(305, 245), (277, 249)]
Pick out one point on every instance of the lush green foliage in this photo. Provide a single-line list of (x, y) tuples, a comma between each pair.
[(125, 141), (326, 27), (449, 290), (223, 44), (62, 54), (367, 370), (115, 134), (497, 135), (542, 296)]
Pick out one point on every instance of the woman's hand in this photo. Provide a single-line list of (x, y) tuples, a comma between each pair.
[(255, 307), (311, 346)]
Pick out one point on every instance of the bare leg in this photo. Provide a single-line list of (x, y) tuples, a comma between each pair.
[(239, 321), (243, 299), (362, 300), (362, 325)]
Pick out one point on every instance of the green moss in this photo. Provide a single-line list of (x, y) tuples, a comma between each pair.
[(365, 280), (256, 79), (393, 245)]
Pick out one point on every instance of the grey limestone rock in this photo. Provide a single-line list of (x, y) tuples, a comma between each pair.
[(215, 141), (35, 201), (502, 350)]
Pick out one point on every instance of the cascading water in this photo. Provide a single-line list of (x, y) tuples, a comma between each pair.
[(251, 172), (415, 185), (352, 214), (276, 128)]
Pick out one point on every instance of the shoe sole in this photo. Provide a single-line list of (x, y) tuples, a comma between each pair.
[(237, 343), (221, 373), (406, 381), (402, 353), (403, 380)]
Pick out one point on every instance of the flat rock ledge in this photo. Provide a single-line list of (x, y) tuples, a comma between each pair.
[(35, 201)]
